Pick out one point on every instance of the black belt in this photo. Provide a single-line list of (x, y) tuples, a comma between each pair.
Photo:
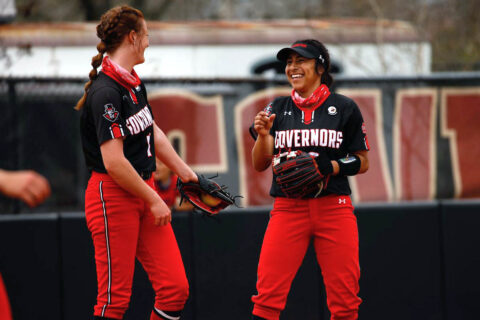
[(145, 174)]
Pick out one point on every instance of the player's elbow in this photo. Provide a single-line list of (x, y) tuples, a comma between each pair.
[(364, 165), (114, 165), (111, 166), (260, 166), (259, 163)]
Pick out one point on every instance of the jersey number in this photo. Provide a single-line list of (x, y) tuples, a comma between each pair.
[(149, 153)]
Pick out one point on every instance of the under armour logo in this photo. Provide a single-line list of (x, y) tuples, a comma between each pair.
[(340, 201), (287, 112)]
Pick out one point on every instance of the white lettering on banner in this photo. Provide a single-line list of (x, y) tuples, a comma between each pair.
[(308, 138), (140, 121), (340, 201)]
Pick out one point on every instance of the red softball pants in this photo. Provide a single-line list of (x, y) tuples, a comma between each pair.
[(293, 223), (122, 228), (5, 312)]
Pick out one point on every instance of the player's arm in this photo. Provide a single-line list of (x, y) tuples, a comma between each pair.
[(123, 173), (356, 163), (364, 164), (167, 154), (26, 185), (263, 149)]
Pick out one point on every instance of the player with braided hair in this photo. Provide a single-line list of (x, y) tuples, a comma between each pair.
[(313, 139), (125, 215)]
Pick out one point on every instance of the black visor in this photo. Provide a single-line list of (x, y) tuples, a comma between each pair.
[(305, 50)]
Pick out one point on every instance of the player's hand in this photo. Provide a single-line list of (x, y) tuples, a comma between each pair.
[(190, 176), (263, 123), (162, 214), (26, 185)]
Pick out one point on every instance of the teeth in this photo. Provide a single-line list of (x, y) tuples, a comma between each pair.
[(296, 76)]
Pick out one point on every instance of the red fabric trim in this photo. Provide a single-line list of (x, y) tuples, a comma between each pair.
[(116, 131), (310, 104), (128, 80)]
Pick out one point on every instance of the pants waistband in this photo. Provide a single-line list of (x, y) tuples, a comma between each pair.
[(145, 175)]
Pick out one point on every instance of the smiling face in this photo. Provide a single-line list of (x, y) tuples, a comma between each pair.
[(141, 43), (301, 74)]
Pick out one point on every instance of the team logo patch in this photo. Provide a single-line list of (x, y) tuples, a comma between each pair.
[(111, 114), (347, 160), (332, 110)]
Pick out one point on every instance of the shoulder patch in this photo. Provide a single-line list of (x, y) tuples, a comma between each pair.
[(111, 114)]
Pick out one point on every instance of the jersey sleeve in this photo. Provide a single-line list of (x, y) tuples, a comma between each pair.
[(356, 133), (144, 92), (106, 112)]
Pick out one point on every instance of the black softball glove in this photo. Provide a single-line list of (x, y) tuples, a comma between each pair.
[(299, 174)]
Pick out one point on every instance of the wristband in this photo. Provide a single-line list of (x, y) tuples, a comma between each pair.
[(349, 166)]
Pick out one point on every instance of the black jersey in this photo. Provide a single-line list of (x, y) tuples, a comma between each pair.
[(111, 112), (335, 128)]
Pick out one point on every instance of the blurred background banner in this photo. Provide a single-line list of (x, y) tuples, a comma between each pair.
[(423, 133), (211, 65)]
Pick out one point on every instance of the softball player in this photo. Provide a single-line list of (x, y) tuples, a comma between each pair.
[(318, 122), (124, 213)]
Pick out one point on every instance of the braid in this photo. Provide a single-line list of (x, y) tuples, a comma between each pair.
[(114, 25), (96, 62)]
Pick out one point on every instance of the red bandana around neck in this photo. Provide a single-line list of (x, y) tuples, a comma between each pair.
[(128, 80), (308, 105)]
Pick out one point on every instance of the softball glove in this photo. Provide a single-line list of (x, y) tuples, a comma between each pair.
[(299, 174), (207, 196)]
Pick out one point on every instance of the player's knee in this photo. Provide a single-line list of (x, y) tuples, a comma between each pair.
[(175, 294), (183, 289)]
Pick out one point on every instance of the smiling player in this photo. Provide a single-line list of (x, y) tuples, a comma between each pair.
[(316, 139)]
